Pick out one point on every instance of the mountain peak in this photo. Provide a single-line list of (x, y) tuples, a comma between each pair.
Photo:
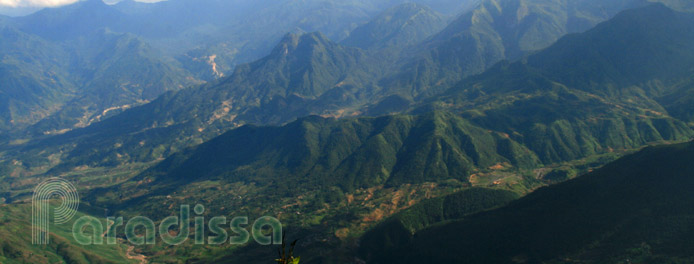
[(399, 26), (637, 45), (93, 2), (65, 22), (82, 5), (294, 41)]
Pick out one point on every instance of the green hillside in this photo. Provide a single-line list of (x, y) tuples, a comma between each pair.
[(493, 31), (50, 87), (635, 209), (603, 61), (398, 230), (315, 153), (309, 74), (397, 144), (327, 179), (540, 117), (304, 72), (74, 42), (33, 76), (679, 101), (16, 245), (575, 99), (401, 26), (114, 72)]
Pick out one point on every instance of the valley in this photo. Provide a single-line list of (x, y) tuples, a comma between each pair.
[(375, 131)]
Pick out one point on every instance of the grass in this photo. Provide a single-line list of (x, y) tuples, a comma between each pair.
[(16, 245)]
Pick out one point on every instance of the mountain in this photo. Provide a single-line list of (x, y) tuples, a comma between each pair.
[(232, 32), (315, 153), (54, 86), (397, 230), (287, 136), (54, 23), (636, 209), (303, 73), (306, 66), (77, 34), (16, 11), (605, 55), (680, 5), (308, 74), (679, 101), (34, 78), (610, 215), (211, 57), (70, 21), (450, 7), (115, 72), (326, 178), (251, 39), (401, 26), (611, 77), (496, 30)]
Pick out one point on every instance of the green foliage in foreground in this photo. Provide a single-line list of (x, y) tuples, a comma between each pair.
[(287, 257)]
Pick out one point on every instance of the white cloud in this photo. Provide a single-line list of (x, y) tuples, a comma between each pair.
[(110, 2), (35, 3), (50, 3)]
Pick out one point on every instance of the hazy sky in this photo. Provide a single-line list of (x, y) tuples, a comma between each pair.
[(48, 3), (24, 7)]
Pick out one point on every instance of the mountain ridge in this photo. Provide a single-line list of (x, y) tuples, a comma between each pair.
[(527, 99), (494, 31), (400, 26), (611, 214)]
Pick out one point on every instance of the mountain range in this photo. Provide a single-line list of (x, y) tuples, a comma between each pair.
[(434, 131), (72, 84), (309, 74), (636, 209), (623, 75), (71, 34), (477, 141)]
